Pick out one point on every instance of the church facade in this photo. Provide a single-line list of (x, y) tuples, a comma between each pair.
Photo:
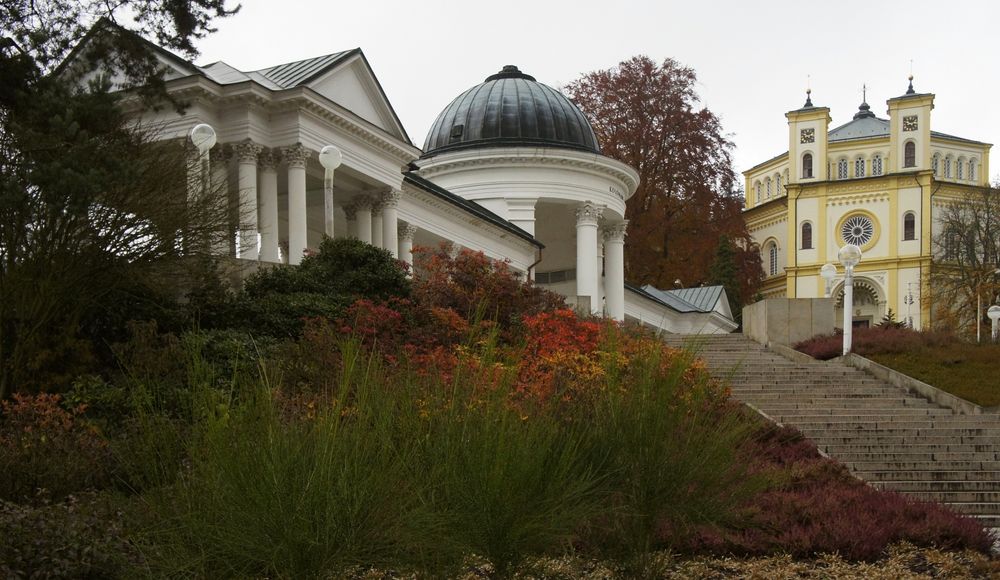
[(510, 168), (874, 182)]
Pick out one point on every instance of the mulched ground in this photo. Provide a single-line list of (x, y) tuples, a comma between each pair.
[(902, 562)]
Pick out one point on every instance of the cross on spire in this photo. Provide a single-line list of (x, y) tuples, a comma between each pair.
[(864, 93)]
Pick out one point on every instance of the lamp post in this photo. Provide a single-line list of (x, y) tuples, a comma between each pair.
[(994, 313), (330, 158), (849, 256), (979, 308), (828, 272)]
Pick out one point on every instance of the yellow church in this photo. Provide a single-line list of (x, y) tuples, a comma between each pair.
[(873, 182)]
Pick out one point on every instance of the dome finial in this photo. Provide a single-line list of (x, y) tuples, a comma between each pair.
[(809, 101), (909, 89), (864, 111), (509, 71)]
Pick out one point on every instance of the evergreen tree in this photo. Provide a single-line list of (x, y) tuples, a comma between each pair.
[(725, 272)]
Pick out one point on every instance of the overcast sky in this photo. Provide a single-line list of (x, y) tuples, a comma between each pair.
[(752, 58)]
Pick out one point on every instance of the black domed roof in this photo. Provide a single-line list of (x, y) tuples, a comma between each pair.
[(510, 109)]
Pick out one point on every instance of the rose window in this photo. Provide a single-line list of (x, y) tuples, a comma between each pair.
[(857, 230)]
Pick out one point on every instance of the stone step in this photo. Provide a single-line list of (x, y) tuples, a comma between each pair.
[(943, 475), (912, 457), (900, 466), (818, 435), (813, 401), (902, 440), (952, 497), (846, 392), (975, 507), (939, 486), (861, 446), (873, 411), (880, 423)]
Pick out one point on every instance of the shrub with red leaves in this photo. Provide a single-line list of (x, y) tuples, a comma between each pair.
[(45, 447), (874, 340)]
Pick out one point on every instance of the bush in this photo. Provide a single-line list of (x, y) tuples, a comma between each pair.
[(80, 538), (46, 449), (888, 339), (275, 301)]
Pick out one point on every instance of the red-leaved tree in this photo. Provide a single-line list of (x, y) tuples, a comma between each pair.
[(648, 116)]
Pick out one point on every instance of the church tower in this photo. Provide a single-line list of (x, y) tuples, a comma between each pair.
[(807, 142), (910, 131)]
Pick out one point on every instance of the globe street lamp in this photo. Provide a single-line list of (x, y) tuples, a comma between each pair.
[(849, 256), (828, 272), (994, 313), (203, 138), (330, 158)]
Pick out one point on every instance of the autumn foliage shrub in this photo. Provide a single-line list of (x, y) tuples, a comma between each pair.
[(47, 450), (875, 340)]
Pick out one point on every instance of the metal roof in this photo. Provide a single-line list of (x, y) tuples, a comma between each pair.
[(704, 298), (293, 74), (510, 108)]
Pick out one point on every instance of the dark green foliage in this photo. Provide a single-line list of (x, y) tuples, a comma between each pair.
[(724, 271), (82, 537), (275, 301), (889, 321)]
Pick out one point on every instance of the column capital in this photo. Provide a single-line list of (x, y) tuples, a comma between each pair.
[(296, 155), (268, 160), (588, 213), (247, 151), (363, 202), (390, 197), (351, 212), (376, 209), (407, 231), (615, 232)]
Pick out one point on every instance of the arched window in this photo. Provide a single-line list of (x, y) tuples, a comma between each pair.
[(772, 259), (877, 164), (909, 226), (972, 169), (759, 190), (859, 167), (768, 188), (807, 166), (935, 161), (842, 169), (960, 168), (910, 154), (947, 167), (777, 189), (807, 236)]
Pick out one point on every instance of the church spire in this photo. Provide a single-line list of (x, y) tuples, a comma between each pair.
[(864, 111)]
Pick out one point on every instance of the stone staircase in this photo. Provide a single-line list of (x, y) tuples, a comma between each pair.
[(884, 435)]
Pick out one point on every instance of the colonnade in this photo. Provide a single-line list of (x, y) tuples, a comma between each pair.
[(589, 237)]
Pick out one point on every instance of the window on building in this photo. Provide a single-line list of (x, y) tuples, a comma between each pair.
[(786, 180), (777, 189), (768, 188), (947, 167), (877, 165), (972, 169), (758, 188), (807, 166), (935, 161), (910, 154), (859, 167), (952, 245), (772, 259), (842, 169), (960, 168), (909, 226), (807, 236)]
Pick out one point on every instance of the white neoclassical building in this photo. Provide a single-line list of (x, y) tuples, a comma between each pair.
[(510, 168)]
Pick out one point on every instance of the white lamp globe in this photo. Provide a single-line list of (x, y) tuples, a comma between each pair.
[(330, 157), (202, 137), (828, 272), (993, 312), (849, 255)]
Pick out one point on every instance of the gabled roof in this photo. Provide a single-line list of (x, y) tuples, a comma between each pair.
[(702, 299), (300, 72), (469, 206)]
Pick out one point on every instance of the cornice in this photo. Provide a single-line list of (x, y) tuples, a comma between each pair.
[(536, 157), (858, 199), (757, 226)]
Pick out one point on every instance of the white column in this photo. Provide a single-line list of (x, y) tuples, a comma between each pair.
[(587, 216), (268, 164), (219, 159), (406, 233), (247, 152), (390, 226), (363, 207), (296, 157), (377, 225), (614, 269), (351, 213)]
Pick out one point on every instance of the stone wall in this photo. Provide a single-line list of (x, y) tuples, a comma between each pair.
[(788, 320)]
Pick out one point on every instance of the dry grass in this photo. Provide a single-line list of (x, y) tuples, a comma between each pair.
[(964, 370)]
